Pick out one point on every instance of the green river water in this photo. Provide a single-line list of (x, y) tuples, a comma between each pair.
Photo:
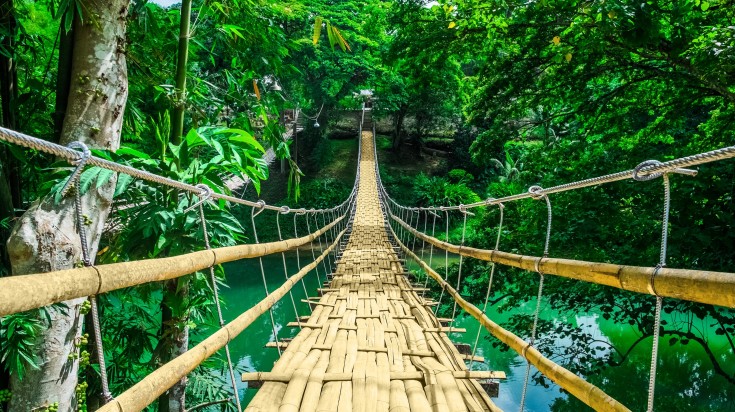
[(685, 379)]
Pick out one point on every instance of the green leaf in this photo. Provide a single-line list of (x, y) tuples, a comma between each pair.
[(330, 35), (123, 181), (704, 6), (104, 177), (317, 30), (128, 151)]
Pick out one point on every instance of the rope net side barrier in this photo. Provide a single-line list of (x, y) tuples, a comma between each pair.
[(154, 385)]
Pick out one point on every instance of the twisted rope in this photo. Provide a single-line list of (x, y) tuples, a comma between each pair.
[(221, 319), (489, 283), (537, 193)]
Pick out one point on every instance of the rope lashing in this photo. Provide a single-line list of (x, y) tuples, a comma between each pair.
[(431, 252), (215, 291), (87, 260), (286, 210), (313, 255), (537, 193), (446, 258), (464, 212), (661, 264), (253, 214), (501, 207), (298, 256)]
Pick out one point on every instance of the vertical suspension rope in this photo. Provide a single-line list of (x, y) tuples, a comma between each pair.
[(535, 192), (446, 260), (87, 260), (489, 285), (321, 249), (431, 252), (313, 255), (286, 210), (465, 212), (262, 273), (215, 291), (298, 258), (661, 264), (333, 216), (423, 241)]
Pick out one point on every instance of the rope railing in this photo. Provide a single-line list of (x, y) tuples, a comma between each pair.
[(646, 171), (578, 387), (74, 157), (714, 288), (154, 385), (25, 292)]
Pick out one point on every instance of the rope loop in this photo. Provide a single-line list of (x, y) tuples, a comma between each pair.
[(285, 210), (84, 156), (647, 177), (205, 195), (537, 192), (260, 207)]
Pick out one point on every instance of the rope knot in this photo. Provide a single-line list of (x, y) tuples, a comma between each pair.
[(285, 210), (537, 192), (79, 163), (648, 176)]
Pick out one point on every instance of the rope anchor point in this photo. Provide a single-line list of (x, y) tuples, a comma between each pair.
[(79, 163)]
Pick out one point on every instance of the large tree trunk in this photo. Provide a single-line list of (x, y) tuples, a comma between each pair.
[(46, 237), (63, 75)]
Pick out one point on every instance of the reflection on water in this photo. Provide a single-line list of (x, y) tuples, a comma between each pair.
[(685, 380)]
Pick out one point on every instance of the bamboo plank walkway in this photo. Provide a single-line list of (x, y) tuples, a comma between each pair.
[(371, 343)]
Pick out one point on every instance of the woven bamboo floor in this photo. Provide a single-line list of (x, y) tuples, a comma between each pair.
[(370, 333)]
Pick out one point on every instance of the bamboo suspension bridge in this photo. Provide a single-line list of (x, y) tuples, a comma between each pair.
[(373, 341)]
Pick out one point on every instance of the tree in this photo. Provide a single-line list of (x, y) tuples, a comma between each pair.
[(45, 238)]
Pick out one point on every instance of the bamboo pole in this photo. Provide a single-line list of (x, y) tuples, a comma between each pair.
[(578, 387), (713, 288), (21, 293), (287, 377), (152, 386)]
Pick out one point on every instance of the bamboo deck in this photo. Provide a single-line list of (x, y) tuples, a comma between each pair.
[(371, 343)]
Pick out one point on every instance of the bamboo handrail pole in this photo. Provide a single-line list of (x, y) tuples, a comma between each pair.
[(708, 287), (578, 387), (159, 381), (25, 292)]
